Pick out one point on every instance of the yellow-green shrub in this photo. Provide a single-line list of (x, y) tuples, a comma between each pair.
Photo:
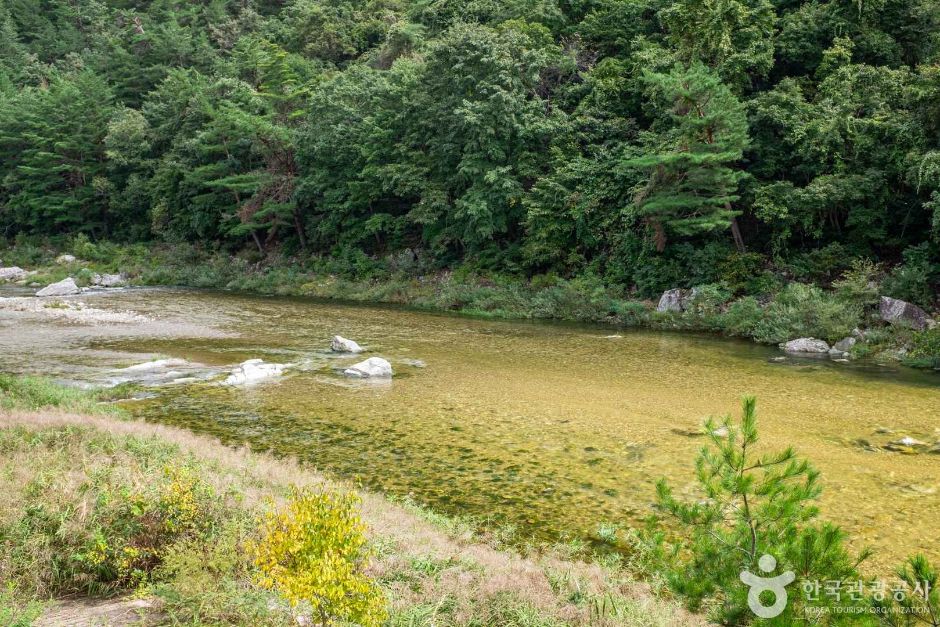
[(314, 551)]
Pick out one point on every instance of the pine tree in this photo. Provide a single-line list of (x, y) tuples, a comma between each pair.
[(701, 132), (754, 505)]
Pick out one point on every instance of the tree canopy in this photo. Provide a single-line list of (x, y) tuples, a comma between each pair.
[(650, 142)]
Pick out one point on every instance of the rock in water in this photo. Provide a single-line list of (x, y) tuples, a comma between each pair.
[(841, 348), (108, 280), (63, 259), (339, 344), (253, 371), (13, 273), (845, 344), (156, 364), (372, 368), (671, 300), (65, 287), (896, 311), (807, 345)]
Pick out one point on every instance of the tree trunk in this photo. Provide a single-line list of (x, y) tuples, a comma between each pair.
[(736, 232), (254, 236), (298, 225)]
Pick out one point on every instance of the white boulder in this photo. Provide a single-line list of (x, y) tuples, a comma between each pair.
[(253, 371), (372, 368), (65, 287), (108, 280), (671, 300), (64, 259), (13, 273), (340, 344), (807, 345), (157, 364)]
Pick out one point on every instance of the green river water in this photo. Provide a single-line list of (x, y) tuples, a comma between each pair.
[(553, 428)]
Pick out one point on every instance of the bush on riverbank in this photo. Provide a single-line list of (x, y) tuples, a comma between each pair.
[(97, 504), (768, 310)]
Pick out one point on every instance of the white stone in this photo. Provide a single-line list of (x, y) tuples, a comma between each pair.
[(253, 371), (909, 441), (108, 280), (63, 259), (671, 300), (13, 273), (339, 344), (372, 368), (157, 364), (805, 345), (65, 287)]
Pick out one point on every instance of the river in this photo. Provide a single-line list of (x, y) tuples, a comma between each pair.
[(551, 428)]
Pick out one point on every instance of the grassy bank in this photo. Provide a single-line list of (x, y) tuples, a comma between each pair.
[(99, 505), (766, 307)]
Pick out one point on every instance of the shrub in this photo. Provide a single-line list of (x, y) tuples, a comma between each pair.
[(859, 284), (925, 349), (742, 316), (739, 270), (912, 280), (806, 310), (314, 552), (753, 506)]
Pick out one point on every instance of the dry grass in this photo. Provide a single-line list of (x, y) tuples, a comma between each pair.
[(433, 575)]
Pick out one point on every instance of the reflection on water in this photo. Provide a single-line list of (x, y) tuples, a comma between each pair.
[(552, 427)]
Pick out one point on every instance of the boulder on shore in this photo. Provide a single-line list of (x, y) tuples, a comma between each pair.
[(13, 273), (253, 371), (372, 368), (340, 344), (895, 311), (65, 287), (672, 300), (806, 345), (108, 280)]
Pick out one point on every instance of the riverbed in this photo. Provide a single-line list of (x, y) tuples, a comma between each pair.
[(551, 429)]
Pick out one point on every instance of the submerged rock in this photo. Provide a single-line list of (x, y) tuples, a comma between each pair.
[(253, 371), (806, 345), (65, 287), (895, 311), (372, 368), (907, 445), (340, 344), (13, 273)]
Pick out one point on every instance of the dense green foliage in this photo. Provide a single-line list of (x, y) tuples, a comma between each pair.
[(652, 143)]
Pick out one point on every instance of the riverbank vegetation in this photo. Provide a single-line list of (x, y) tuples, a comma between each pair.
[(600, 150), (99, 505), (781, 311)]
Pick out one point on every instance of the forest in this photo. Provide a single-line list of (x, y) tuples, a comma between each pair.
[(651, 143)]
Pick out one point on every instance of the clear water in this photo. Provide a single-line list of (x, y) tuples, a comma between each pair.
[(554, 428)]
